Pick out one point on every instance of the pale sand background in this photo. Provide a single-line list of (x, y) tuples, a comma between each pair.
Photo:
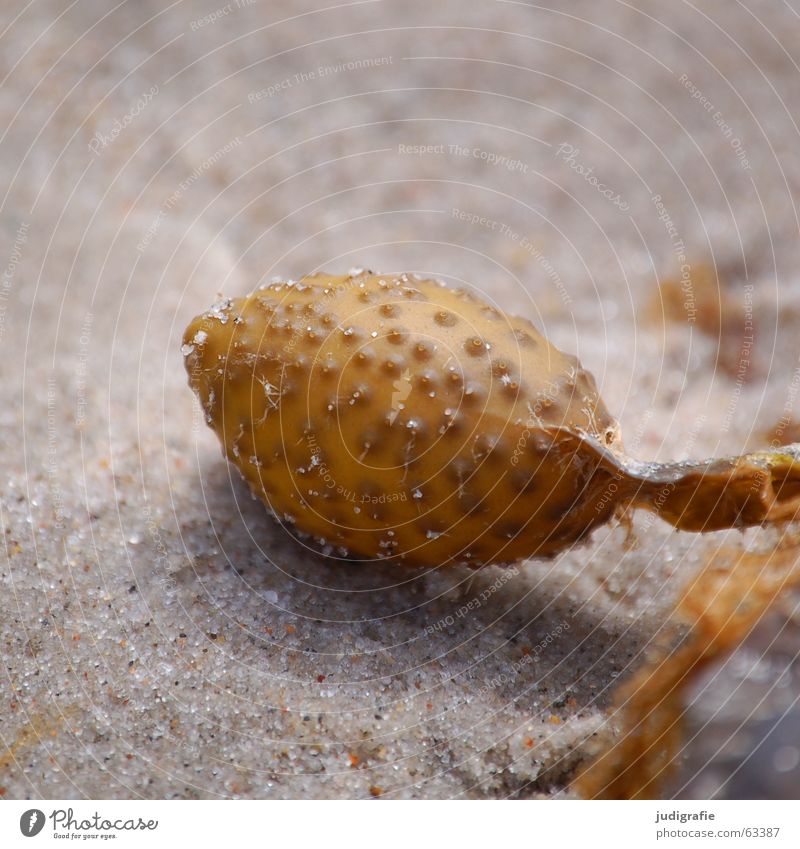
[(161, 637)]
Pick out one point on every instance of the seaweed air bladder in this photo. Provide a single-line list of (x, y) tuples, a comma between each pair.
[(392, 417)]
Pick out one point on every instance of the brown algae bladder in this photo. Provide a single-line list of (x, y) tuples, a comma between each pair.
[(392, 417)]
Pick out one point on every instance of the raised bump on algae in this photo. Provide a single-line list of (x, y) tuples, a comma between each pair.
[(392, 417)]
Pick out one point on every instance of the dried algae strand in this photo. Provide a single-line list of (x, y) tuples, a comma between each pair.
[(722, 605), (392, 417)]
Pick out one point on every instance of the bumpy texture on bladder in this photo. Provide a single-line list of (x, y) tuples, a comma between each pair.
[(392, 417)]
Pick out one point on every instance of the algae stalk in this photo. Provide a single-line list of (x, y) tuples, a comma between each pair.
[(733, 492)]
